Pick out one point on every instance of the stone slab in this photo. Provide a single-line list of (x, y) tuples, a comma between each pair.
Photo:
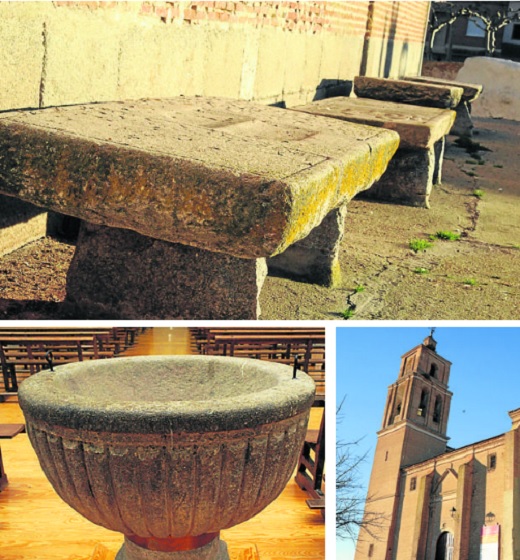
[(418, 127), (405, 91), (227, 176), (500, 98), (470, 91)]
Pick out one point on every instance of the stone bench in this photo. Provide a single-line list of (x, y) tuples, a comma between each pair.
[(417, 165), (184, 199), (463, 125), (408, 92)]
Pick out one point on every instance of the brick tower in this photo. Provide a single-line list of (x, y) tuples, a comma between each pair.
[(414, 430)]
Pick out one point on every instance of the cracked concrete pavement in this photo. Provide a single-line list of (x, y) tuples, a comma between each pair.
[(475, 277)]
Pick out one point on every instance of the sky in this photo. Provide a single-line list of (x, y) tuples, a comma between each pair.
[(484, 380)]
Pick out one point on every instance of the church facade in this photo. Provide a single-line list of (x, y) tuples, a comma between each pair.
[(429, 501)]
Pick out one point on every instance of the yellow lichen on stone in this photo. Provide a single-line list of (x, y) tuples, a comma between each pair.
[(318, 199)]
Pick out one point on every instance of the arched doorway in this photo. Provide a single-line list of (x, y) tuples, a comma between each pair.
[(444, 549)]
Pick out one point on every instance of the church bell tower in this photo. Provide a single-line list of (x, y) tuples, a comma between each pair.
[(414, 429)]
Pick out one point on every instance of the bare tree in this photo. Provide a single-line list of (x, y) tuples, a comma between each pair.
[(351, 499), (492, 20), (441, 15)]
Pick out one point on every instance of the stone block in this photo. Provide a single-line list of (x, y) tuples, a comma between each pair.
[(270, 69), (81, 62), (223, 46), (470, 92), (412, 93), (315, 258), (408, 179), (120, 274), (21, 29), (500, 98)]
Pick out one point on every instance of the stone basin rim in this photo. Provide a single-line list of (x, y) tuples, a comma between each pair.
[(45, 398)]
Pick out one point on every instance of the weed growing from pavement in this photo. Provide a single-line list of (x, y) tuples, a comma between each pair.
[(479, 193), (348, 313), (417, 245), (360, 288), (470, 282), (421, 270), (449, 235)]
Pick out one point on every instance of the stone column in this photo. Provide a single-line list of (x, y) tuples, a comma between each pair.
[(438, 149), (408, 179), (315, 258), (510, 520), (422, 518), (117, 273), (463, 505)]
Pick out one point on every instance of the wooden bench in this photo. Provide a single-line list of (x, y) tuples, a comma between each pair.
[(417, 165), (8, 431), (22, 355), (275, 344), (311, 464), (206, 189), (117, 338)]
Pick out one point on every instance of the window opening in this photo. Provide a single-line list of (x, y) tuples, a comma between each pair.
[(437, 410), (421, 411)]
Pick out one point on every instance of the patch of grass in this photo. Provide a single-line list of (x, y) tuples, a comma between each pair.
[(417, 245), (472, 162), (500, 166), (479, 193), (449, 235), (470, 282), (360, 288), (421, 270), (481, 162), (470, 173), (348, 313)]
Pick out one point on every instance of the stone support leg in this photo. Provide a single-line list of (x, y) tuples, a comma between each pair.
[(407, 180), (215, 550), (119, 273), (315, 258), (463, 125), (438, 149)]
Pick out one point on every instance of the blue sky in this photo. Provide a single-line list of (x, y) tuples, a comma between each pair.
[(484, 379)]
